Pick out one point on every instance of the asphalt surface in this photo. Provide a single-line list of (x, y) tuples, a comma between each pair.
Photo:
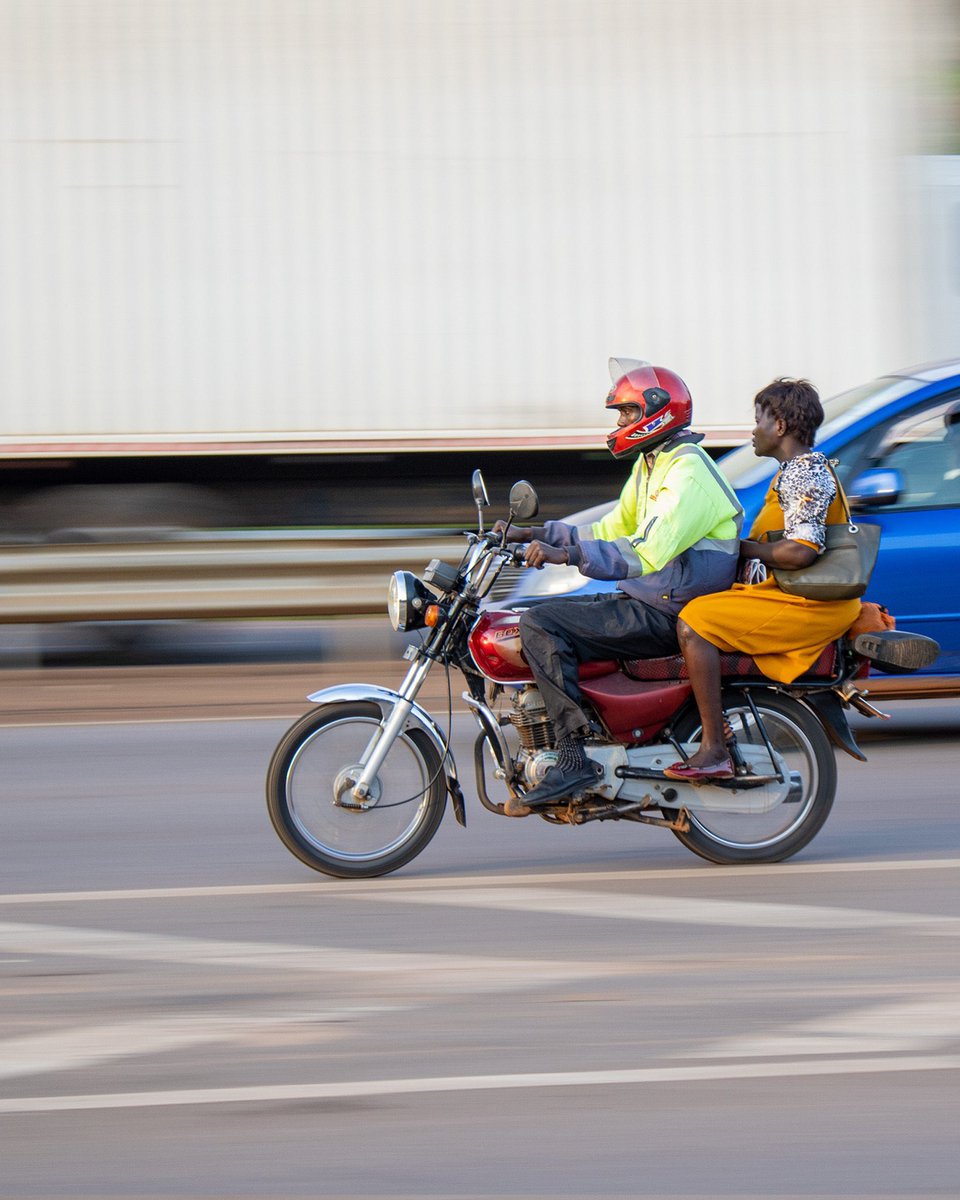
[(522, 1011)]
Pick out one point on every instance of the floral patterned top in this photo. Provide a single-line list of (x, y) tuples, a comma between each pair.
[(805, 488)]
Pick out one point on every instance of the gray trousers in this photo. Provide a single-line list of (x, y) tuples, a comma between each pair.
[(558, 635)]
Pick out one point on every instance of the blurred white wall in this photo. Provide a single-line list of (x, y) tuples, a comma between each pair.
[(935, 191), (330, 215)]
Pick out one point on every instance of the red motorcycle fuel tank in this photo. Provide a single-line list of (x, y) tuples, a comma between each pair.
[(495, 645)]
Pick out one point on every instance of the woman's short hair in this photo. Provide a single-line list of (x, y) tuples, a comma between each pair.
[(797, 403)]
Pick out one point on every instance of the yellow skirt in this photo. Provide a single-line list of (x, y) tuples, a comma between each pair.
[(784, 634)]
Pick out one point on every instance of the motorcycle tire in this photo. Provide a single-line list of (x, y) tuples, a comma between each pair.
[(798, 737), (309, 801)]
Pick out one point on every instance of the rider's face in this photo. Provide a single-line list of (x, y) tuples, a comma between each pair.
[(767, 434), (628, 414)]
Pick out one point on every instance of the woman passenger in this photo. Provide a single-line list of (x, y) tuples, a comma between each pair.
[(784, 634)]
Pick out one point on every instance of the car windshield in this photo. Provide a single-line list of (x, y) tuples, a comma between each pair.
[(743, 468)]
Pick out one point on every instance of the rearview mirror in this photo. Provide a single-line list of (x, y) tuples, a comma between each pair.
[(873, 488), (524, 504), (480, 497)]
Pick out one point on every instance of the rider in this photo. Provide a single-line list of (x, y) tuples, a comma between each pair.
[(673, 535)]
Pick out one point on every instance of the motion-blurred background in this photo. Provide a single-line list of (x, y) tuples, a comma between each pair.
[(277, 274)]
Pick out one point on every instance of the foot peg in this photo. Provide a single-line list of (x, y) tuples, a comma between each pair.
[(514, 806)]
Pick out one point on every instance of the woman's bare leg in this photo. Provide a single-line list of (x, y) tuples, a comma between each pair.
[(703, 664)]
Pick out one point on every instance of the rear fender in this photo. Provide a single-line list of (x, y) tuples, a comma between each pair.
[(829, 709)]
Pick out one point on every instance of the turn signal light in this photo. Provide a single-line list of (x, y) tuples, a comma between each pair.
[(431, 615)]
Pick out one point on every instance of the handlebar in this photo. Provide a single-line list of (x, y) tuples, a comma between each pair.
[(513, 551)]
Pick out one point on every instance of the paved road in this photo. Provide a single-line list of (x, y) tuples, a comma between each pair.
[(523, 1011)]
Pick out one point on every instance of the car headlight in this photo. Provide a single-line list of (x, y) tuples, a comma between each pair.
[(407, 599)]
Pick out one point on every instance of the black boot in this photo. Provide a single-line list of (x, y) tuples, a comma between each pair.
[(572, 773)]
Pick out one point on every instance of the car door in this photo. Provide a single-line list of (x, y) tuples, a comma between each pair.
[(917, 575)]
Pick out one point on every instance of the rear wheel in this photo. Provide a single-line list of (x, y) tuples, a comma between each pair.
[(310, 803), (799, 739)]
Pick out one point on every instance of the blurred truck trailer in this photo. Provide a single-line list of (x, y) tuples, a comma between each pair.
[(283, 264)]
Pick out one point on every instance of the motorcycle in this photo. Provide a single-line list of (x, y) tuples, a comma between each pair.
[(358, 787)]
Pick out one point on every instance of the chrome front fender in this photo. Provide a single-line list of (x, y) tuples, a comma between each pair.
[(385, 699)]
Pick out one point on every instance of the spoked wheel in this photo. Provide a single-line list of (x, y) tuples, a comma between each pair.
[(798, 738), (309, 793)]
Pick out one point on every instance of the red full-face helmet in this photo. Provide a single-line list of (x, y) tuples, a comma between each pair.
[(662, 398)]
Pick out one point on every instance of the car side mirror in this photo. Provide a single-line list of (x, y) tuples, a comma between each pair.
[(524, 503), (876, 487)]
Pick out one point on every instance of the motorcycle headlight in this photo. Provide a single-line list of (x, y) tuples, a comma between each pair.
[(407, 599)]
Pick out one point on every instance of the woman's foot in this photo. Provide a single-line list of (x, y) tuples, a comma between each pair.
[(701, 769)]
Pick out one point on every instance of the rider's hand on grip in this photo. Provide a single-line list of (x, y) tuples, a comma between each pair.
[(540, 553), (518, 533)]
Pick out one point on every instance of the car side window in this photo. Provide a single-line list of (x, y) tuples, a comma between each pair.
[(924, 447)]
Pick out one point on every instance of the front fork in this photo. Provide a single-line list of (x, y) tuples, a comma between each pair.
[(387, 731)]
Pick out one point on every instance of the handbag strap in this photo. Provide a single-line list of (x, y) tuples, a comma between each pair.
[(851, 524)]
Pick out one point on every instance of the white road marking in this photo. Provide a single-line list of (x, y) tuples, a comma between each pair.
[(897, 1030), (414, 972), (85, 1046), (404, 978), (373, 888), (917, 1025), (678, 909), (268, 1094)]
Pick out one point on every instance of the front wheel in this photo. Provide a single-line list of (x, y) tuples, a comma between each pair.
[(310, 803), (799, 739)]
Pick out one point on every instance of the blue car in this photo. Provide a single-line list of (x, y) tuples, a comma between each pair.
[(897, 440)]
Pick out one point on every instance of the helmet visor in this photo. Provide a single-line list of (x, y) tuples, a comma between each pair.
[(623, 366)]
